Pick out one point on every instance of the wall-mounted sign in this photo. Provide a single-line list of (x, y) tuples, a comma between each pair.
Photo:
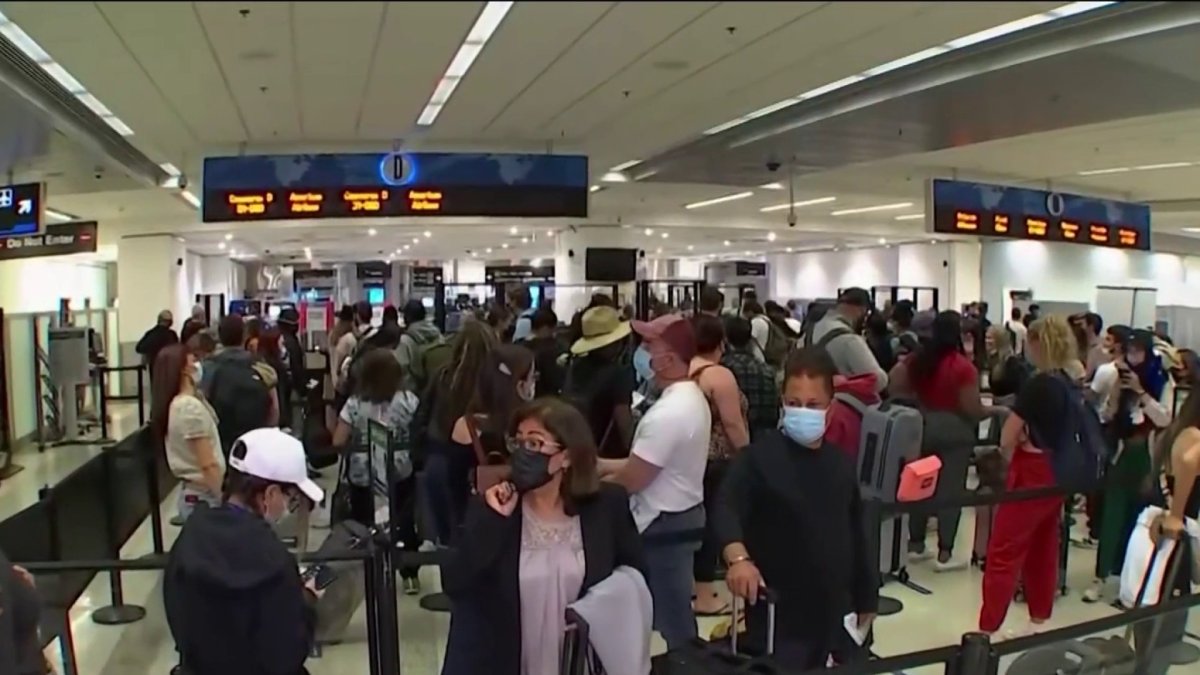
[(518, 273), (374, 270), (426, 277), (957, 207), (21, 209), (314, 278), (61, 239), (750, 269)]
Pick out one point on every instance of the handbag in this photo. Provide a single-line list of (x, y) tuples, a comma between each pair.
[(491, 468)]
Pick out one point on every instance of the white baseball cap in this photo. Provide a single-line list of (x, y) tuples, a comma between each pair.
[(274, 455)]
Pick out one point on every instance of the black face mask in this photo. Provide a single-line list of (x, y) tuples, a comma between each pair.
[(530, 469)]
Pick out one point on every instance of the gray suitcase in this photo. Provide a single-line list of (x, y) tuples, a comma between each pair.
[(891, 438), (344, 596)]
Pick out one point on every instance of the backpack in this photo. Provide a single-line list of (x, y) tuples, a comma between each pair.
[(833, 334), (240, 398), (351, 368), (429, 358), (778, 346), (1077, 454)]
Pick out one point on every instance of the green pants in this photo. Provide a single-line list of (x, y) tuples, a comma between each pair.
[(1123, 501)]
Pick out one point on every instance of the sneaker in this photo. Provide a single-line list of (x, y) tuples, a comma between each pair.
[(1095, 592), (946, 563), (1029, 628), (919, 555), (412, 586)]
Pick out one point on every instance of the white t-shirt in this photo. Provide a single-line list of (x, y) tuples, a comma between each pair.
[(1104, 383), (760, 330), (1019, 332), (672, 435)]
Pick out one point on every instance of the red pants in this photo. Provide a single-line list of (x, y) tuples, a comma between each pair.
[(1024, 545)]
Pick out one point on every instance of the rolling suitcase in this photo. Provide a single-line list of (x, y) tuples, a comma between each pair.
[(346, 593), (700, 657)]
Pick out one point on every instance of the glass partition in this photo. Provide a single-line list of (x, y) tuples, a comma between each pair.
[(22, 382)]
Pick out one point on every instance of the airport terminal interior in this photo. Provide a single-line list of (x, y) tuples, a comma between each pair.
[(554, 173)]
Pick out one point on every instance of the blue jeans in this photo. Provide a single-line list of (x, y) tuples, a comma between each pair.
[(670, 563)]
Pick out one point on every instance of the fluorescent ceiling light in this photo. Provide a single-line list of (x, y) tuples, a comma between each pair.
[(1069, 9), (60, 75), (485, 26), (911, 216), (596, 188), (171, 182), (308, 253), (1191, 229), (719, 200), (1167, 165), (1101, 172), (807, 202), (771, 186), (626, 165), (190, 198), (614, 177), (117, 125), (872, 209), (59, 215), (22, 41)]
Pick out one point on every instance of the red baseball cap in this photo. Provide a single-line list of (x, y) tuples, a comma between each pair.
[(673, 330)]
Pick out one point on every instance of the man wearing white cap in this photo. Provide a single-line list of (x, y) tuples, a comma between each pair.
[(234, 599)]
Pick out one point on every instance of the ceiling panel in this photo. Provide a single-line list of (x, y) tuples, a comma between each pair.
[(255, 54), (676, 61), (77, 36), (512, 61), (169, 44), (334, 44), (417, 41), (619, 39)]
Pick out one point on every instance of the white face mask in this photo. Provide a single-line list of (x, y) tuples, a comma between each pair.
[(196, 372), (526, 389)]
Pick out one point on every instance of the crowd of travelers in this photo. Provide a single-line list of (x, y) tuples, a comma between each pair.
[(554, 464)]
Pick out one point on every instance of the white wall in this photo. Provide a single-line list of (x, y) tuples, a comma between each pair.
[(36, 284), (819, 274)]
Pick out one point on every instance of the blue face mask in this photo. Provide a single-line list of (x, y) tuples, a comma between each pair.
[(641, 365), (806, 426)]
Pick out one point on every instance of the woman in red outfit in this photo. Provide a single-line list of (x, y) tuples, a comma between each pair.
[(1025, 534)]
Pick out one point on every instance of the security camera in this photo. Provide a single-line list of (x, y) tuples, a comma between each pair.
[(773, 165), (183, 182), (791, 219)]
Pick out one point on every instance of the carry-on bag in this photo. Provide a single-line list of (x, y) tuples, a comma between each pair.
[(720, 657), (346, 593)]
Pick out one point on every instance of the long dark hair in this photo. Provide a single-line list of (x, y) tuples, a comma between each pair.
[(168, 378), (570, 430), (456, 383), (945, 339), (1187, 416), (382, 377), (496, 392)]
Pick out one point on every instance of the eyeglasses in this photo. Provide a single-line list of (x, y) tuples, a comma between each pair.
[(533, 443)]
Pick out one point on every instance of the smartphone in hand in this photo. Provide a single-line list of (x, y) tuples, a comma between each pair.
[(321, 576)]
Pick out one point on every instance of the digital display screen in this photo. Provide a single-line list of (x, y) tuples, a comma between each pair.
[(21, 210), (286, 187), (1019, 213)]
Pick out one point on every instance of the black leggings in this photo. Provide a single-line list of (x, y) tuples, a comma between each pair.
[(708, 558)]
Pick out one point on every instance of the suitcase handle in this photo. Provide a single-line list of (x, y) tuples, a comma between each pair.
[(764, 593)]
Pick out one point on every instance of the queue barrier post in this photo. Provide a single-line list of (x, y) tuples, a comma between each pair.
[(105, 397), (975, 656), (118, 613)]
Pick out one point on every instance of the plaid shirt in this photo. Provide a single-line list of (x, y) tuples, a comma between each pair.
[(757, 382)]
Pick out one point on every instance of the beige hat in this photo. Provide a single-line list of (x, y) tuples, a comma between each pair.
[(602, 326)]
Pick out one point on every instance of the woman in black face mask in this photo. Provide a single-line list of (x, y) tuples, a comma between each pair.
[(534, 545)]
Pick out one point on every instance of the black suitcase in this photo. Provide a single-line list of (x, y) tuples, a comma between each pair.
[(699, 657)]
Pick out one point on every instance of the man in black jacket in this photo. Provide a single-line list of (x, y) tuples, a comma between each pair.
[(157, 338), (233, 595), (790, 517)]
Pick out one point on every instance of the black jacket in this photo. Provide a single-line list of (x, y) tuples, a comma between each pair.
[(154, 341), (482, 578), (233, 596), (799, 513)]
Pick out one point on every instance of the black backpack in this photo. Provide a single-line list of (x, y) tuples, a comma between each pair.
[(240, 398)]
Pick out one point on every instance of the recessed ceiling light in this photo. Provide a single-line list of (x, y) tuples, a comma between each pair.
[(770, 236), (726, 242), (788, 249), (504, 245), (549, 233), (626, 165), (512, 230), (372, 232), (747, 253), (407, 246), (933, 241), (489, 250), (649, 232), (882, 240), (524, 240), (666, 235), (658, 250), (416, 240), (308, 253), (428, 234), (229, 237), (221, 245), (690, 247), (614, 177), (719, 200), (485, 26), (771, 186), (807, 202), (872, 209), (595, 188), (911, 216)]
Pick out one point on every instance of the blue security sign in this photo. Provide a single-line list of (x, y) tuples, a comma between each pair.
[(21, 210), (398, 168)]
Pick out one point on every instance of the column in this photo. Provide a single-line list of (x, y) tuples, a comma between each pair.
[(152, 275)]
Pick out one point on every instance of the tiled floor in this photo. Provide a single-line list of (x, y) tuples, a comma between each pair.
[(145, 647)]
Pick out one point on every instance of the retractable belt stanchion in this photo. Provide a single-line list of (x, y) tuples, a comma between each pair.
[(118, 612), (140, 396)]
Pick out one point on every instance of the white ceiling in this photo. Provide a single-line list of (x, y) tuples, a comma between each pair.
[(617, 81)]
